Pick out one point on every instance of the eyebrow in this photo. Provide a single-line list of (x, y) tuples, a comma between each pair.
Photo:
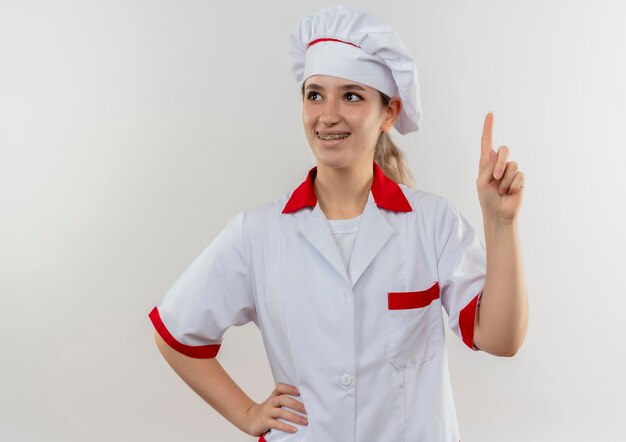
[(317, 87)]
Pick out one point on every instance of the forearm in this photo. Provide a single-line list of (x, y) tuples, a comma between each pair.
[(502, 318), (210, 381)]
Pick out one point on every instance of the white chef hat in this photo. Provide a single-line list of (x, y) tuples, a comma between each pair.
[(341, 41)]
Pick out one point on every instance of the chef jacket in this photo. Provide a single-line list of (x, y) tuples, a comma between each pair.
[(364, 345)]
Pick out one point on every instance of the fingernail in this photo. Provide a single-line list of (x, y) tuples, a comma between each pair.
[(497, 174)]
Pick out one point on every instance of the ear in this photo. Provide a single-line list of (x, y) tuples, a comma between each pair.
[(392, 112)]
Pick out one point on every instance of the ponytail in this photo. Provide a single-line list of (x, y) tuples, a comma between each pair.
[(389, 156), (391, 160)]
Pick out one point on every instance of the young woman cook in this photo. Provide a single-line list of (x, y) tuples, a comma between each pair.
[(346, 275)]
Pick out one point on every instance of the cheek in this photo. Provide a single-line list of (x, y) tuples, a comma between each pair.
[(307, 117), (368, 122)]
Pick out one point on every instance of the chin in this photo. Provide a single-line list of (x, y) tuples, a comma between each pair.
[(340, 159), (335, 162)]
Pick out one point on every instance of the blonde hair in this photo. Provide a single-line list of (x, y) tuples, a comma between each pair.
[(387, 155), (390, 157), (391, 160)]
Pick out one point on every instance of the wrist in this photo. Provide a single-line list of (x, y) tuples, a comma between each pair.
[(500, 232), (499, 223), (247, 419)]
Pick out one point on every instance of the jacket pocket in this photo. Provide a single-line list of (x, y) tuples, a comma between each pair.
[(415, 327)]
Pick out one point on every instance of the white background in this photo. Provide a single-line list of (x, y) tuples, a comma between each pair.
[(130, 131)]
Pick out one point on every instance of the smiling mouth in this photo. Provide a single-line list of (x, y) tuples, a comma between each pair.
[(332, 137)]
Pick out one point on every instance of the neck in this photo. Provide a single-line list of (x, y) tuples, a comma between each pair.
[(342, 193)]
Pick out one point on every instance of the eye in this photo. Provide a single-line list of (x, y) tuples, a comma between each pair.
[(356, 96), (311, 95)]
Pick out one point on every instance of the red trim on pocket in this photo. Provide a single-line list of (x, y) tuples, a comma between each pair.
[(193, 351), (466, 323), (417, 299)]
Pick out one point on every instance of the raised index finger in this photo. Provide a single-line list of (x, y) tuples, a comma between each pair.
[(486, 143)]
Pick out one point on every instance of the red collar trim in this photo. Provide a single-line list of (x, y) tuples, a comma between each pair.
[(386, 192)]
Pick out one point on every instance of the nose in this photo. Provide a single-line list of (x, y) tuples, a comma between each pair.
[(329, 113)]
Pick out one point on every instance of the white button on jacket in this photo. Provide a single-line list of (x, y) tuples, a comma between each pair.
[(365, 347), (346, 379)]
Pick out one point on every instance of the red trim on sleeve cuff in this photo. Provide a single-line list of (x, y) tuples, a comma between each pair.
[(193, 351), (466, 323), (262, 439)]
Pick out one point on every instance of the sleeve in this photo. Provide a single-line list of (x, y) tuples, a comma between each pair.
[(212, 294), (461, 267)]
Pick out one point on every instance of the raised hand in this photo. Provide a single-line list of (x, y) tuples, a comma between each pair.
[(500, 184), (261, 417)]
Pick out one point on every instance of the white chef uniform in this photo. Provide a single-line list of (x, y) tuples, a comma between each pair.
[(344, 232), (364, 346)]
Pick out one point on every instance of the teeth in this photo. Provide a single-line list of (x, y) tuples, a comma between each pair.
[(333, 137)]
